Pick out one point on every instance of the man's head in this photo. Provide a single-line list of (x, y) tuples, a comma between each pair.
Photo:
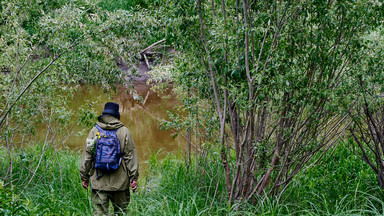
[(112, 109)]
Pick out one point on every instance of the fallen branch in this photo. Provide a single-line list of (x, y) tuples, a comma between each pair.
[(148, 48), (146, 97), (146, 61)]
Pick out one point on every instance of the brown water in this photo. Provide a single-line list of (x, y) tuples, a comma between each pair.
[(141, 119)]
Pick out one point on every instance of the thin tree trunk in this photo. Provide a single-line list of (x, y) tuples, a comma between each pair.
[(196, 137), (213, 9), (245, 7), (189, 147), (10, 167), (223, 152), (211, 73)]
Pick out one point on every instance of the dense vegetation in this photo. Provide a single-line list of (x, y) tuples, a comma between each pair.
[(341, 184), (283, 102)]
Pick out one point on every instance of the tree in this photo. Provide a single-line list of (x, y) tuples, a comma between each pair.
[(273, 73), (366, 109), (48, 49)]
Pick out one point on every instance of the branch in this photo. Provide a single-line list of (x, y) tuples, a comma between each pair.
[(18, 71), (74, 44), (146, 61), (148, 48)]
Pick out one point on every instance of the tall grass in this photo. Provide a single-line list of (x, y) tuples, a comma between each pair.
[(341, 184), (122, 4), (172, 189), (46, 194)]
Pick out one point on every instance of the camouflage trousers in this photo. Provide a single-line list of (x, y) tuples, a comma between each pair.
[(119, 200)]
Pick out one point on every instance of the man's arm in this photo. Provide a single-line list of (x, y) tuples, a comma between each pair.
[(86, 160), (131, 160)]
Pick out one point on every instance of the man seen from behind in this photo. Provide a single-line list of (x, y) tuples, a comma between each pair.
[(110, 161)]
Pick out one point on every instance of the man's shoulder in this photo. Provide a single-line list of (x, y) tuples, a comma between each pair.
[(123, 130), (93, 129)]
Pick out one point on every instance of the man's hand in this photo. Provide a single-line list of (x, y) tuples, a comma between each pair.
[(133, 185), (85, 184)]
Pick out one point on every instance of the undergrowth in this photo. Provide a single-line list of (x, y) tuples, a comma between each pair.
[(342, 184), (47, 193), (122, 4)]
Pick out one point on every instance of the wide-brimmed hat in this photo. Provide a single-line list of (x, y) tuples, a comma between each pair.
[(112, 109)]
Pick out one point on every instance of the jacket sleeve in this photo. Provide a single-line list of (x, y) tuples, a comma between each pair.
[(130, 158), (86, 159)]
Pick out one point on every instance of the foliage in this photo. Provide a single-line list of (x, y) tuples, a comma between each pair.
[(122, 5), (275, 75), (269, 87), (367, 111), (46, 193), (341, 184), (37, 80)]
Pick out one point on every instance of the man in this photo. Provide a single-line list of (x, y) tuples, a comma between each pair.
[(113, 186)]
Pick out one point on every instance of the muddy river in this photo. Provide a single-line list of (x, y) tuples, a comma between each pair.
[(140, 117)]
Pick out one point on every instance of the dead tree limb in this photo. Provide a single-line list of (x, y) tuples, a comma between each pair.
[(151, 46)]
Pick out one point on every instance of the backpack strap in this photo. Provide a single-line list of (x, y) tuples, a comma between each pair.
[(99, 128), (101, 131), (97, 175)]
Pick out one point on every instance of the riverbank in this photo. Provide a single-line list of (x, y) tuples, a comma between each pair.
[(341, 185)]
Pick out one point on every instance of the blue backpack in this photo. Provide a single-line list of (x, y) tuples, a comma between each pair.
[(107, 153)]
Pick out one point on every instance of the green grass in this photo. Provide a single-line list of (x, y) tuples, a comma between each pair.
[(46, 194), (122, 4), (341, 184), (170, 189)]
